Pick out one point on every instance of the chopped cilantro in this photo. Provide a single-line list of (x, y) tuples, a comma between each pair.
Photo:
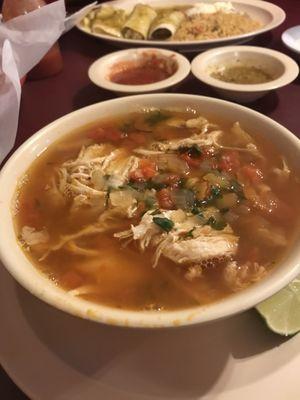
[(139, 186), (237, 188), (127, 127), (189, 234), (182, 182), (215, 192), (149, 202), (164, 223), (107, 197), (156, 185), (217, 225), (155, 212), (193, 151), (155, 117)]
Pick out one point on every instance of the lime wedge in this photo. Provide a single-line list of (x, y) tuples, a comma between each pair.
[(282, 311)]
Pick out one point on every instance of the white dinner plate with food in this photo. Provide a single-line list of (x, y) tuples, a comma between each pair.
[(52, 355), (188, 26)]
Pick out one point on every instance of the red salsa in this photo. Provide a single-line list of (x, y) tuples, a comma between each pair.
[(149, 68)]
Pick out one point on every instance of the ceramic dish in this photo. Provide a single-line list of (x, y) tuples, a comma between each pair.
[(245, 358), (267, 13), (38, 284), (291, 38), (281, 67), (99, 71)]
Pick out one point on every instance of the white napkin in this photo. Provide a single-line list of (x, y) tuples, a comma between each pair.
[(24, 41), (10, 95)]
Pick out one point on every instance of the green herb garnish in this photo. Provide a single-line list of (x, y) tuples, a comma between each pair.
[(216, 224), (127, 127), (164, 223), (149, 202), (155, 185), (107, 197), (193, 151), (155, 212), (215, 192), (237, 188), (139, 186), (189, 234), (155, 117)]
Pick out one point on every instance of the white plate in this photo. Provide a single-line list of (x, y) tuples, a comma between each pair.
[(269, 14), (291, 38), (54, 356)]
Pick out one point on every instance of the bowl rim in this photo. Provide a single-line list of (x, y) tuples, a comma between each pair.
[(288, 38), (107, 61), (290, 71), (16, 262)]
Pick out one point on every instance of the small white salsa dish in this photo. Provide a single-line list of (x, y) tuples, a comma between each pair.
[(141, 70), (277, 67)]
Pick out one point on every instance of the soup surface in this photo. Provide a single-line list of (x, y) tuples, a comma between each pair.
[(157, 210)]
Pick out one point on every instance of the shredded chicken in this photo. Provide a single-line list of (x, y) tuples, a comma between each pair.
[(283, 173), (193, 272), (238, 277), (200, 140), (108, 220), (96, 169), (206, 243), (32, 237), (209, 244)]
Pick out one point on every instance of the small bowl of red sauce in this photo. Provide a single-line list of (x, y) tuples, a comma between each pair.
[(139, 70)]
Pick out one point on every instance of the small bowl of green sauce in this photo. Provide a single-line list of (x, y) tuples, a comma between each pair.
[(244, 73)]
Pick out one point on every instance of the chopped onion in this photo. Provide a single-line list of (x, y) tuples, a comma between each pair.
[(215, 179), (228, 200), (183, 198), (171, 162), (98, 179), (122, 198)]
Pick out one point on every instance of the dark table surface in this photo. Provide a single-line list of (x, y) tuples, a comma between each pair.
[(46, 100)]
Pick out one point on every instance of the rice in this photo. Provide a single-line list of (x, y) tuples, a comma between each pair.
[(217, 25)]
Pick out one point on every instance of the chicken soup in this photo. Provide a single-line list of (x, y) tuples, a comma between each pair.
[(157, 210)]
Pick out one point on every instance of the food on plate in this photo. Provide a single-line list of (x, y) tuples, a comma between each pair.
[(243, 74), (138, 24), (166, 25), (195, 22), (106, 20), (157, 210), (149, 67), (216, 25)]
